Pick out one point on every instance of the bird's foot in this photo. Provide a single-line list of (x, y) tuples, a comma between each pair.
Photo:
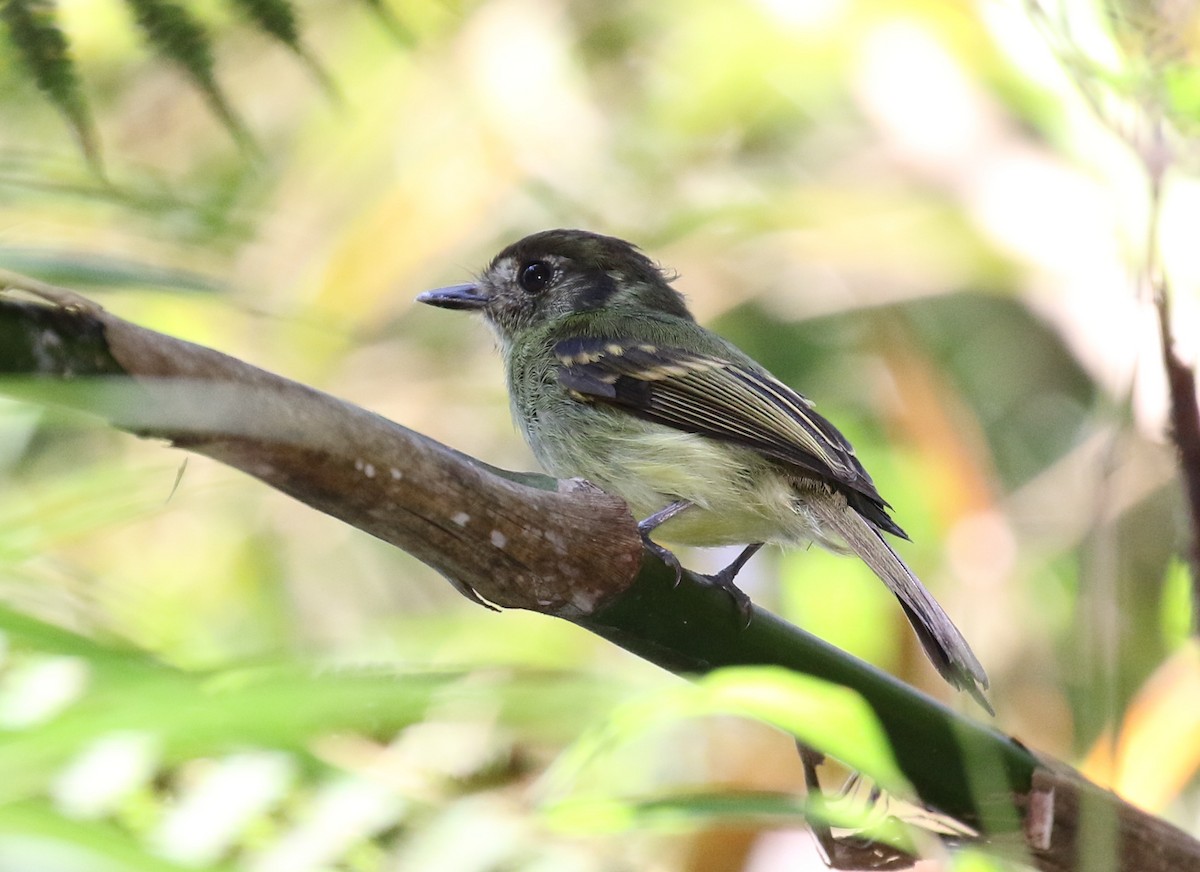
[(665, 556), (855, 850), (648, 525), (724, 580)]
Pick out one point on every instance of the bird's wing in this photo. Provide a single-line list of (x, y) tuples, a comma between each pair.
[(723, 400)]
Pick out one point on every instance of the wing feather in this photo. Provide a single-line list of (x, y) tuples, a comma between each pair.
[(724, 400)]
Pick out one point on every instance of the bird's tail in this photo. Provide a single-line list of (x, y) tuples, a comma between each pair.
[(943, 643)]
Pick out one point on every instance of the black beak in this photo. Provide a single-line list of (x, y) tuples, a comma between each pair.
[(455, 297)]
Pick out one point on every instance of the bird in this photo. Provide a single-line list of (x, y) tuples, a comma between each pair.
[(612, 380)]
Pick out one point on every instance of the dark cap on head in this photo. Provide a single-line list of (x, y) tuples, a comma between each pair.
[(588, 251), (558, 273)]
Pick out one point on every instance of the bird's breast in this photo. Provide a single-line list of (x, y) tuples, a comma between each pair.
[(738, 496)]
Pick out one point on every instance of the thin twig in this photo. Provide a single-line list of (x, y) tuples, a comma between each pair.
[(1184, 412)]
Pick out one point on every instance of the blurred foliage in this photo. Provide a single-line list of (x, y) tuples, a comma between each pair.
[(175, 32), (916, 213)]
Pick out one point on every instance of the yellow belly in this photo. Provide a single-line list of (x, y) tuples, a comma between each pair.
[(738, 496)]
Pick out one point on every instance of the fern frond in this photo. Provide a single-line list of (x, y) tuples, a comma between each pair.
[(41, 45), (178, 36), (278, 19), (389, 20)]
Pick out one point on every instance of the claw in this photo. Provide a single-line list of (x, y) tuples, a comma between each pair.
[(647, 526), (724, 580), (665, 556)]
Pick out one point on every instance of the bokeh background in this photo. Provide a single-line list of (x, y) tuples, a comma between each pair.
[(931, 217)]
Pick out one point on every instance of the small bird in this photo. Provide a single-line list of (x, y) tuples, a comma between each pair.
[(611, 379)]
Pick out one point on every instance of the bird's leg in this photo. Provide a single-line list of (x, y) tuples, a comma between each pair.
[(725, 577), (647, 526), (849, 851), (818, 819), (724, 580)]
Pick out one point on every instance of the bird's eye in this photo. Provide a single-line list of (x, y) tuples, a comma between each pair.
[(535, 276)]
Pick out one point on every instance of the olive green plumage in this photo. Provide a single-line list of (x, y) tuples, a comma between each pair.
[(612, 380)]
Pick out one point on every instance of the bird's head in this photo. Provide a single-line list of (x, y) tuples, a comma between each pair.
[(557, 273)]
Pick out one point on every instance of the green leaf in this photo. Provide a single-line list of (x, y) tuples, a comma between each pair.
[(91, 269), (824, 715), (178, 36), (1181, 84), (43, 515), (46, 839), (195, 714), (385, 15), (23, 631), (827, 716), (43, 48), (691, 810), (277, 18)]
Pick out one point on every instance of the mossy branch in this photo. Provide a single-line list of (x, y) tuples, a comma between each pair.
[(525, 541)]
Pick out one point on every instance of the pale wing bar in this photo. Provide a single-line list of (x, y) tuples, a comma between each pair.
[(717, 398)]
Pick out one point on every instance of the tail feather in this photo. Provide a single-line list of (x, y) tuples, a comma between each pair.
[(942, 641)]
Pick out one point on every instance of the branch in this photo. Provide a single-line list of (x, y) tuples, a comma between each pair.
[(1184, 411), (511, 540), (1185, 432), (530, 542)]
